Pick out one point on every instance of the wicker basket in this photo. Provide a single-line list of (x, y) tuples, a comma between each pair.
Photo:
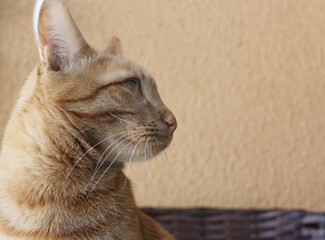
[(214, 224)]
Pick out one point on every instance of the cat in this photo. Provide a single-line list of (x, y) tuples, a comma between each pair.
[(80, 116)]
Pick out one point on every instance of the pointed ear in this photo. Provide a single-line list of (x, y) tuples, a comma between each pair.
[(60, 41), (114, 47)]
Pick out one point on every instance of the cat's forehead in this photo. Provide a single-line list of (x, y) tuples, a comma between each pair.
[(108, 68)]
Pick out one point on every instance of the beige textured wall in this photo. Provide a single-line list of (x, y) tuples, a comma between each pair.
[(246, 80)]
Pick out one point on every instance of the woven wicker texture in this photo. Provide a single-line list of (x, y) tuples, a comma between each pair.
[(212, 224)]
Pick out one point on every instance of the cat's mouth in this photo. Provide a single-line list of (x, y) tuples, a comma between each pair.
[(161, 141)]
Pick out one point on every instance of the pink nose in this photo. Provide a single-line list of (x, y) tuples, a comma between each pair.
[(172, 124)]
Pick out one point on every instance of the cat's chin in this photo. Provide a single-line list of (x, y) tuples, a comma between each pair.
[(162, 143), (154, 148)]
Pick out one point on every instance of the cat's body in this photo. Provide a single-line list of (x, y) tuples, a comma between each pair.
[(78, 107)]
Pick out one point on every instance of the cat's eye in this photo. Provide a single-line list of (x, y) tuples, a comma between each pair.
[(132, 85)]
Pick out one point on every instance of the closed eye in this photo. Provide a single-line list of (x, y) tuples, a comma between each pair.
[(133, 86)]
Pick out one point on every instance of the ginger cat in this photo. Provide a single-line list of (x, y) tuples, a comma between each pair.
[(80, 116)]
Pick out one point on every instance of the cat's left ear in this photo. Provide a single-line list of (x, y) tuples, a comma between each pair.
[(114, 47), (59, 39)]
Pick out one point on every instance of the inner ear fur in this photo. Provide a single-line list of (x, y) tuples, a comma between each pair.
[(60, 42), (114, 47)]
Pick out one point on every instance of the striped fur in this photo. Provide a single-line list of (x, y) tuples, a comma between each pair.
[(73, 100)]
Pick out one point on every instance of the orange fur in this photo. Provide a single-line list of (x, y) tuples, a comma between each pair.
[(73, 99)]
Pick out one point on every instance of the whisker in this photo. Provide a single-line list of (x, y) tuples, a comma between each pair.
[(147, 56), (156, 153), (90, 150), (127, 38), (102, 163), (73, 124), (123, 120), (149, 69), (145, 160), (152, 154), (83, 131), (151, 151), (132, 124), (111, 164), (132, 53), (101, 157), (160, 155), (165, 154), (127, 170)]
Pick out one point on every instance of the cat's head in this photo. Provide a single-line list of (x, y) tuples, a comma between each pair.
[(110, 99)]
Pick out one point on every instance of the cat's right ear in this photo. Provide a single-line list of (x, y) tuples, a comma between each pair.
[(114, 47), (60, 42)]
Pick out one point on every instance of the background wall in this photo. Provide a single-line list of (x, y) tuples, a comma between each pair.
[(245, 79)]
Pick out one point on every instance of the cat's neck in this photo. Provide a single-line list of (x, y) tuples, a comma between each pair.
[(37, 140), (35, 170)]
